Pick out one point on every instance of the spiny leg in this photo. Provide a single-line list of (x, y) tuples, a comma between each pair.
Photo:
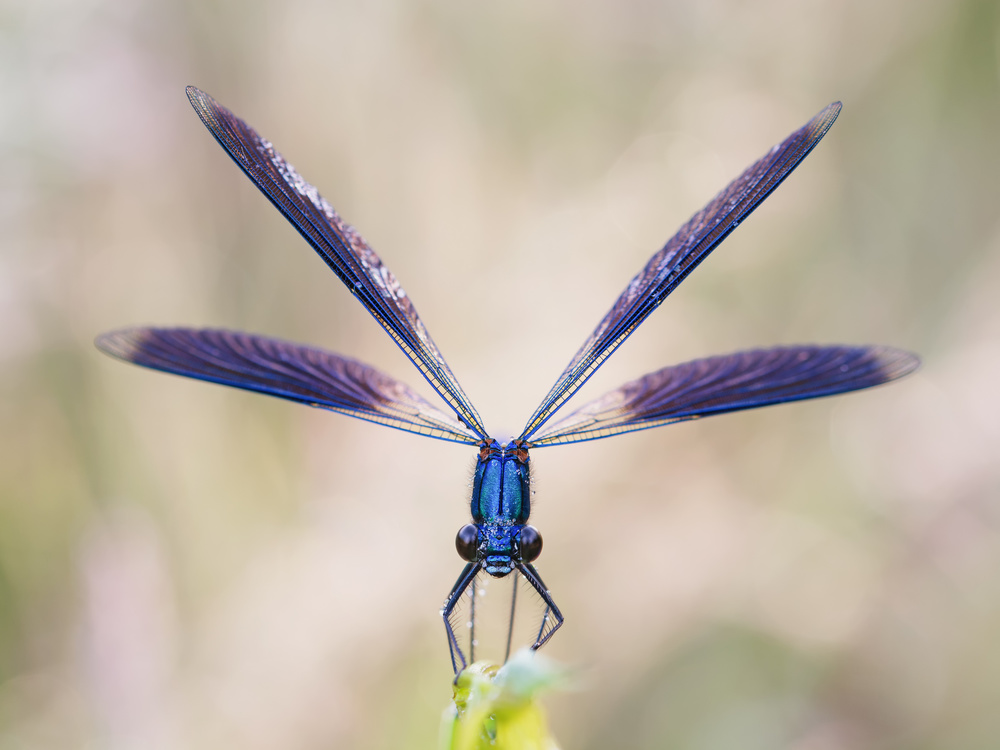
[(468, 575), (513, 609), (529, 572), (472, 622), (541, 627)]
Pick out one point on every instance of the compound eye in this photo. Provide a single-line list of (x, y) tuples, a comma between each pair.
[(467, 542), (530, 544)]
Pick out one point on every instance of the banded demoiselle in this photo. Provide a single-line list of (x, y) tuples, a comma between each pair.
[(499, 542)]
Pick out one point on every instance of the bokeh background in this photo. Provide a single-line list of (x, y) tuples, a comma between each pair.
[(186, 566)]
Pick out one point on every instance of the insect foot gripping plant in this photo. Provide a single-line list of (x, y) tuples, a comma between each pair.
[(496, 707)]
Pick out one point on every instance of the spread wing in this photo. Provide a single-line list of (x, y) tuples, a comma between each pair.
[(685, 250), (339, 244), (291, 371), (733, 382)]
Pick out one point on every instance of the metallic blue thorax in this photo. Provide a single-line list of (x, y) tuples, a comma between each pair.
[(501, 503)]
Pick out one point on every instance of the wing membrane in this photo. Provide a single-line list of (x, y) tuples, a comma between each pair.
[(733, 382), (291, 371), (685, 250), (339, 244)]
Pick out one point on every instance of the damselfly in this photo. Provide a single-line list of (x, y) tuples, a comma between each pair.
[(499, 542)]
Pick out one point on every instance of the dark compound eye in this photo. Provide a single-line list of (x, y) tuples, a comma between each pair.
[(467, 542), (530, 544)]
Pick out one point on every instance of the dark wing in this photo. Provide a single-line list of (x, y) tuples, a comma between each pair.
[(291, 371), (339, 244), (716, 385), (685, 250)]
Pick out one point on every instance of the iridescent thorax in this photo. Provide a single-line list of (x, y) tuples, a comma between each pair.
[(501, 503)]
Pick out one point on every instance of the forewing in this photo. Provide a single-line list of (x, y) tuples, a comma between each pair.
[(685, 250), (733, 382), (339, 244), (291, 371)]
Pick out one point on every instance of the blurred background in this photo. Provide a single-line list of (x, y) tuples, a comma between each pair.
[(183, 565)]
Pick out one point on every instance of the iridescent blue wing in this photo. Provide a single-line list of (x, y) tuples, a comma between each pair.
[(685, 250), (733, 382), (339, 244), (286, 370)]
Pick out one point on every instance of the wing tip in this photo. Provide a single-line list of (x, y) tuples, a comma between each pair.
[(209, 111), (123, 343), (823, 121), (897, 363), (197, 97)]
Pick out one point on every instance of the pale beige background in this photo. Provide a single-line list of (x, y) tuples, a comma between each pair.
[(183, 566)]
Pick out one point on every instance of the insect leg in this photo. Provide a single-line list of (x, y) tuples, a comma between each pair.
[(513, 608), (529, 572), (468, 575)]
